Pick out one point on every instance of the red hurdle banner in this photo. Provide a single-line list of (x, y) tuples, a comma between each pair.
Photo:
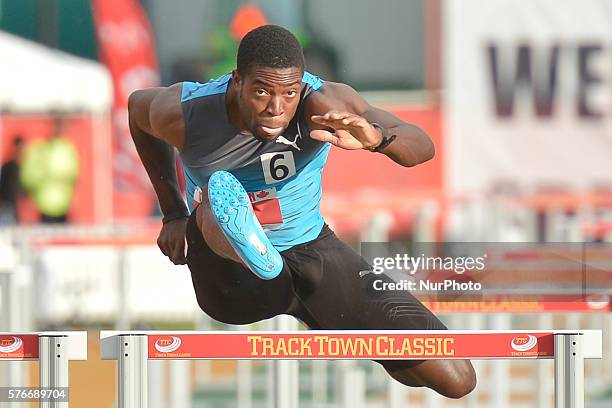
[(53, 350), (568, 349)]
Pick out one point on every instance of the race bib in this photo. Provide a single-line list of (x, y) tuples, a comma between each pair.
[(277, 166)]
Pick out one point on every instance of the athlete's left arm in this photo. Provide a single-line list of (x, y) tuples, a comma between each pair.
[(344, 118)]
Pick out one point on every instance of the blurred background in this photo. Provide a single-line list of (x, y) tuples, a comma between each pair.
[(515, 95)]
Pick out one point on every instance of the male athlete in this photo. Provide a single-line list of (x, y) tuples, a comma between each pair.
[(253, 144)]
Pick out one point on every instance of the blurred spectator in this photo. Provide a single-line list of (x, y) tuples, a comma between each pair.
[(49, 173), (9, 184)]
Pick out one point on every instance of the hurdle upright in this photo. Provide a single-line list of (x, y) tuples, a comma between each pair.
[(54, 351), (568, 348)]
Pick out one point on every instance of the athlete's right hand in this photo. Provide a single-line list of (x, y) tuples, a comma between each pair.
[(172, 240)]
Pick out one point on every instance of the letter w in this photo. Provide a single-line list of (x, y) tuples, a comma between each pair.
[(506, 84), (349, 346)]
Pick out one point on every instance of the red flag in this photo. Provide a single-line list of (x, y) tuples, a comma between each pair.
[(127, 48)]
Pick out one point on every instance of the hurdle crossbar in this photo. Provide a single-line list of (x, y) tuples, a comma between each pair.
[(568, 348), (54, 351)]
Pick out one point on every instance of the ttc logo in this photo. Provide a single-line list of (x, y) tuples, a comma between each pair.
[(523, 343), (167, 345), (10, 344)]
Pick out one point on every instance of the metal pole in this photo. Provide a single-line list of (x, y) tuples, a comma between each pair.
[(5, 322), (377, 227), (543, 369), (203, 367), (133, 355), (476, 322), (270, 371), (5, 301), (244, 383), (500, 375), (53, 367), (569, 371), (425, 229), (180, 395), (156, 380), (11, 312), (395, 394), (353, 386), (319, 383), (286, 390), (433, 399), (123, 305)]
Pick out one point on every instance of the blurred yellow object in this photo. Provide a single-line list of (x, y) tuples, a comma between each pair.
[(31, 172), (48, 172)]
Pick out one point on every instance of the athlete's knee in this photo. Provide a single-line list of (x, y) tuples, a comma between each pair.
[(459, 389), (452, 379), (461, 380)]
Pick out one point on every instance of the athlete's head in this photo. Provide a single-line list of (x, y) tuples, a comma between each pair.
[(268, 80)]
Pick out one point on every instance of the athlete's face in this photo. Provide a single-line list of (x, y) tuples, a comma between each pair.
[(268, 99)]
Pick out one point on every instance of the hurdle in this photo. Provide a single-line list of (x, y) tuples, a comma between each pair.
[(568, 348), (54, 351)]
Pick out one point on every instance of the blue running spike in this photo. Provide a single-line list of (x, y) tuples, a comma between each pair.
[(231, 205)]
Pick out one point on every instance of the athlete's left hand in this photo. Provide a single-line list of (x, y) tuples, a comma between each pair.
[(351, 132)]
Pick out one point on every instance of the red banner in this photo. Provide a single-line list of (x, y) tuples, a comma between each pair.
[(127, 48), (385, 185), (330, 345)]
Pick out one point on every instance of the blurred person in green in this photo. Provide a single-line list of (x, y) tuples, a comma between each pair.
[(49, 172), (10, 187)]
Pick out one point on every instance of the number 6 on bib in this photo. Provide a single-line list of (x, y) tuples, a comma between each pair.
[(277, 166)]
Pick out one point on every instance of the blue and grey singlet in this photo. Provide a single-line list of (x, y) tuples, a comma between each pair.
[(288, 169)]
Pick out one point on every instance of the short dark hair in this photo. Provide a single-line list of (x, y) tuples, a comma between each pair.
[(269, 46)]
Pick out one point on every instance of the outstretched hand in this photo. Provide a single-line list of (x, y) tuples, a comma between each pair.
[(350, 131)]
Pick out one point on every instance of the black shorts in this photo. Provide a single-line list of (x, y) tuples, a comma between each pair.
[(319, 284)]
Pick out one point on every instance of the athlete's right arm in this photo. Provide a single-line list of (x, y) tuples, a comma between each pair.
[(157, 127)]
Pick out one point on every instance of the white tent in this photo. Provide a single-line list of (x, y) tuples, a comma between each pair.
[(35, 78)]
